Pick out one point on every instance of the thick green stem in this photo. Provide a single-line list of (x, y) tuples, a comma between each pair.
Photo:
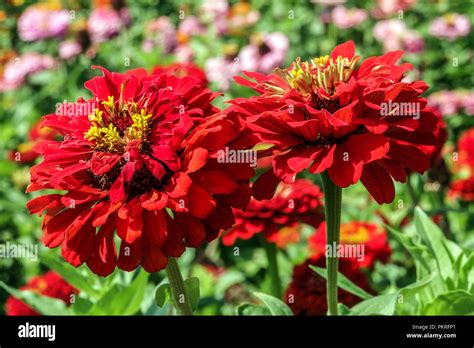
[(271, 250), (332, 206), (178, 290)]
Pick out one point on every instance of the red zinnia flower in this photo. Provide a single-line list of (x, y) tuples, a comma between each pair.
[(144, 164), (279, 218), (181, 70), (327, 115), (306, 294), (463, 189), (49, 284), (370, 235)]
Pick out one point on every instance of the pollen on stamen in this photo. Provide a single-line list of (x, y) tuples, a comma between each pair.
[(114, 127)]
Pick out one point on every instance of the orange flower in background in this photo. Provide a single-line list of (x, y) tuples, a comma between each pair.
[(372, 237), (279, 219), (49, 284)]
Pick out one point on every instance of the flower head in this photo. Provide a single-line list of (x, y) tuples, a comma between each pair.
[(345, 18), (40, 22), (143, 165), (265, 53), (19, 68), (450, 26), (279, 218), (329, 114), (49, 284), (370, 235), (105, 23)]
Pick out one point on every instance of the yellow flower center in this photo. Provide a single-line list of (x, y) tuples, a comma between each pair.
[(351, 234), (121, 122), (308, 77)]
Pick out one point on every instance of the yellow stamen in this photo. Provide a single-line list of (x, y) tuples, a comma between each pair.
[(324, 72), (104, 133)]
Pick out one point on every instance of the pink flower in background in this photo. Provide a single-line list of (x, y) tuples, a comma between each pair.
[(394, 35), (17, 69), (468, 103), (451, 102), (105, 23), (221, 71), (38, 23), (161, 32), (386, 8), (191, 26), (69, 49), (215, 8), (413, 42), (265, 53), (450, 26), (445, 101), (344, 18), (184, 53)]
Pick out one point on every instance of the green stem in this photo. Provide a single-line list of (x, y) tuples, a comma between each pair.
[(332, 206), (178, 290), (271, 250)]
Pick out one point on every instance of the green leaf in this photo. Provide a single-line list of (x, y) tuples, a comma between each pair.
[(42, 304), (81, 306), (122, 300), (274, 305), (163, 294), (344, 283), (419, 252), (252, 309), (192, 290), (387, 304), (70, 274), (457, 302), (444, 251), (343, 309)]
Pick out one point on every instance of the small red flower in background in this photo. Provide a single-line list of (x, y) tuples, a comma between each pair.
[(26, 152), (279, 218), (327, 115), (306, 294), (462, 189), (465, 150), (49, 284), (143, 165), (181, 70)]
